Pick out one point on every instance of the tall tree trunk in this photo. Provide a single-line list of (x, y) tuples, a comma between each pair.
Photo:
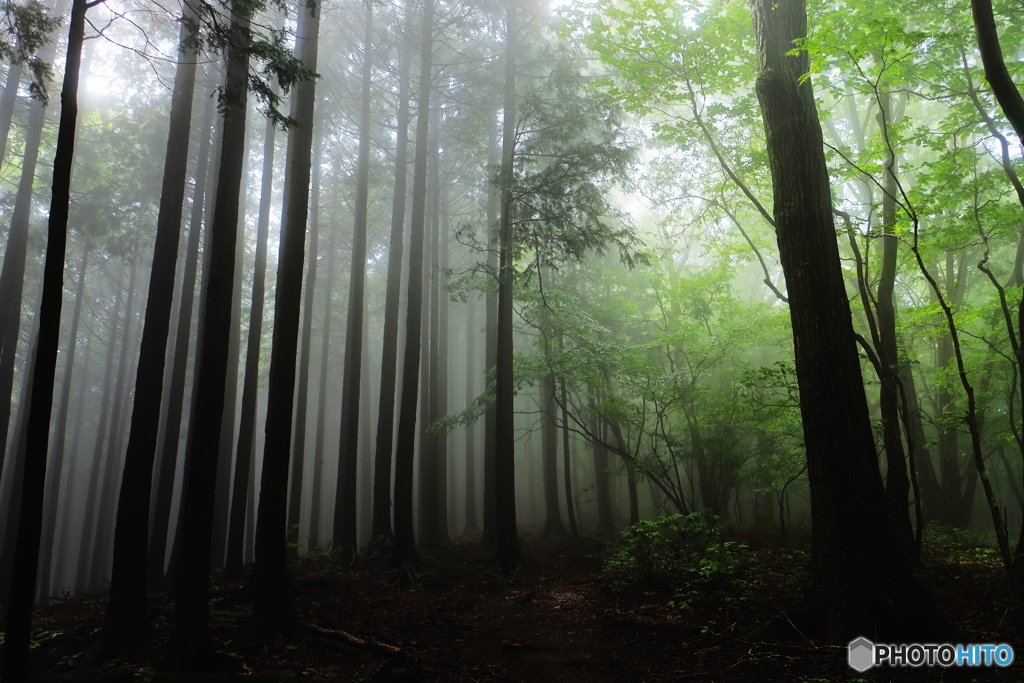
[(7, 101), (381, 524), (405, 557), (566, 469), (125, 621), (428, 483), (302, 397), (222, 498), (26, 554), (321, 416), (345, 498), (191, 639), (67, 537), (489, 536), (504, 409), (164, 484), (471, 528), (549, 453), (860, 582), (56, 467), (12, 277), (105, 520), (233, 563), (441, 378), (83, 578), (897, 483), (272, 609)]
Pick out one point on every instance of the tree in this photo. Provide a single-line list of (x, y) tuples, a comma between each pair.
[(345, 498), (26, 554), (381, 522), (504, 432), (860, 582), (404, 556), (125, 620), (272, 610), (192, 651)]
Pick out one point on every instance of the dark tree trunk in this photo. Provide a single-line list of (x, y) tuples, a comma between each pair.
[(504, 409), (441, 376), (549, 453), (12, 277), (489, 535), (191, 639), (103, 548), (125, 621), (897, 483), (67, 536), (298, 460), (233, 563), (26, 553), (471, 528), (566, 471), (7, 101), (605, 514), (164, 484), (860, 582), (56, 466), (381, 524), (345, 540), (428, 481), (88, 528), (321, 415), (405, 557), (272, 609)]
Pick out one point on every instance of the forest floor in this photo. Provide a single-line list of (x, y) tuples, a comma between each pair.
[(564, 619)]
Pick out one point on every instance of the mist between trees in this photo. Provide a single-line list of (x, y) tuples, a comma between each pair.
[(391, 275)]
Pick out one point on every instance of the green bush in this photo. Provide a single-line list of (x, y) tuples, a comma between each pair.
[(671, 550)]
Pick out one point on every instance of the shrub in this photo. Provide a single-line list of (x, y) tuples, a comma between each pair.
[(671, 550)]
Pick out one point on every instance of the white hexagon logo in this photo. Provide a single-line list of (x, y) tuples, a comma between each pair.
[(862, 654)]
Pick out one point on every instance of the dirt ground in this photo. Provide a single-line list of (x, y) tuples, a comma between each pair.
[(562, 620)]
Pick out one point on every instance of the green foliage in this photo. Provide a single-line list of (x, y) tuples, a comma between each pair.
[(266, 49), (674, 550), (25, 29)]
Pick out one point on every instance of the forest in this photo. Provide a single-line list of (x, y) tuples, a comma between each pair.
[(437, 340)]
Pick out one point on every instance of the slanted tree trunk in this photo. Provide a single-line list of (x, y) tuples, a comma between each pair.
[(191, 638), (26, 554), (272, 609), (56, 466), (88, 528), (404, 556), (125, 621), (12, 277), (233, 563), (7, 101), (860, 582), (381, 523), (105, 519), (345, 540), (173, 411)]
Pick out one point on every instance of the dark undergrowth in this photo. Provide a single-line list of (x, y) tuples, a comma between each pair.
[(727, 613)]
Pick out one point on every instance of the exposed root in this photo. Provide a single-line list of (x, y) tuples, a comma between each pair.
[(367, 643)]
